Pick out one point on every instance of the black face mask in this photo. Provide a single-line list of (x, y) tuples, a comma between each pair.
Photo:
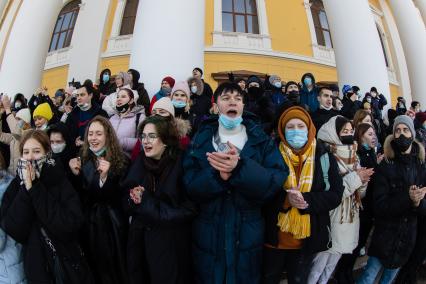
[(402, 143), (255, 91), (347, 139), (294, 97), (123, 108)]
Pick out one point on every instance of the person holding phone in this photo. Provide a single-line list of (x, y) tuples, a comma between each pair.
[(160, 211), (99, 168), (230, 185), (398, 202)]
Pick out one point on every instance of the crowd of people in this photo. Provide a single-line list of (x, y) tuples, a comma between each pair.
[(255, 182)]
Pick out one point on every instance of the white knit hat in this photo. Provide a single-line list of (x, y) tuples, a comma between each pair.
[(24, 114), (166, 104)]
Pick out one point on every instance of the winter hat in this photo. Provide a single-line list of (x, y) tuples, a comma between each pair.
[(254, 78), (181, 86), (272, 78), (166, 104), (24, 114), (302, 114), (169, 80), (366, 105), (199, 70), (59, 93), (404, 119), (125, 76), (347, 89), (43, 110), (421, 117)]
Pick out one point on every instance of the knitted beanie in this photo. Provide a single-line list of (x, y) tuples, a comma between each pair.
[(24, 114), (43, 110), (404, 119), (166, 104), (169, 80)]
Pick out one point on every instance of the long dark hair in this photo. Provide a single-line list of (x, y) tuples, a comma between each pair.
[(360, 131), (166, 131), (114, 153)]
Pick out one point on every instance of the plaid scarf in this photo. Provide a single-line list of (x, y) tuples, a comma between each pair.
[(301, 175), (345, 156), (37, 165)]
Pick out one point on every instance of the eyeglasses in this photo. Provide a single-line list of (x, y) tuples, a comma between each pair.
[(150, 137)]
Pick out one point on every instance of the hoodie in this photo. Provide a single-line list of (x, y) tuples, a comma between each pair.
[(307, 97), (140, 88)]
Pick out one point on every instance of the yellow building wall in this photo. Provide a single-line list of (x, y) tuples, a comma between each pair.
[(116, 64), (288, 26), (209, 23), (287, 69), (55, 78), (395, 93)]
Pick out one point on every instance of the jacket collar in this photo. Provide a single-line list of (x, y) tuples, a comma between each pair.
[(390, 153)]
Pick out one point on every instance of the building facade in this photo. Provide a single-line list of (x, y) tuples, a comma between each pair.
[(366, 43)]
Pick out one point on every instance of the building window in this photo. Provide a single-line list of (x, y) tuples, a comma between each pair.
[(129, 17), (240, 16), (383, 47), (322, 30), (64, 27)]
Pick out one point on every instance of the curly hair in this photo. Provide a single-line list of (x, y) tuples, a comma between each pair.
[(114, 153)]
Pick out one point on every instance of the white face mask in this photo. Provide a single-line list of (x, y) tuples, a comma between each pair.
[(58, 148), (326, 108), (194, 89), (43, 127)]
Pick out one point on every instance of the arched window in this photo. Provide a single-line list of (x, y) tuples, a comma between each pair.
[(383, 46), (129, 17), (240, 16), (322, 30), (64, 27)]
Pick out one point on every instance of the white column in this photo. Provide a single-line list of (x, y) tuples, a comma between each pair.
[(357, 47), (25, 53), (413, 35), (3, 4), (421, 4), (87, 40), (168, 39), (399, 59)]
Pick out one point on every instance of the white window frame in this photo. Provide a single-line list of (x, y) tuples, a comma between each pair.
[(261, 41), (118, 44), (320, 52)]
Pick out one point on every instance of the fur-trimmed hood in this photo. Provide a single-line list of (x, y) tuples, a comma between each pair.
[(389, 153), (199, 83), (183, 127)]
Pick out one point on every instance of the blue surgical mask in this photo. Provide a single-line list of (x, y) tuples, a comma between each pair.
[(178, 104), (84, 107), (278, 85), (99, 153), (194, 89), (296, 138), (307, 81), (21, 124), (424, 126), (105, 78), (366, 146), (228, 122), (368, 100)]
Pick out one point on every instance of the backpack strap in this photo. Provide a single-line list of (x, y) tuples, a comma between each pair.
[(325, 166)]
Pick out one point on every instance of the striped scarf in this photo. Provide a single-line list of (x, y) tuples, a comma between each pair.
[(301, 176)]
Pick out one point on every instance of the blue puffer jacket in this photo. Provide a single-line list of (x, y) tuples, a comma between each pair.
[(228, 233), (11, 259)]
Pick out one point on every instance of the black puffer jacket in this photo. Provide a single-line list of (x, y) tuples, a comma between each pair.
[(51, 202), (320, 203), (160, 231), (395, 230)]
